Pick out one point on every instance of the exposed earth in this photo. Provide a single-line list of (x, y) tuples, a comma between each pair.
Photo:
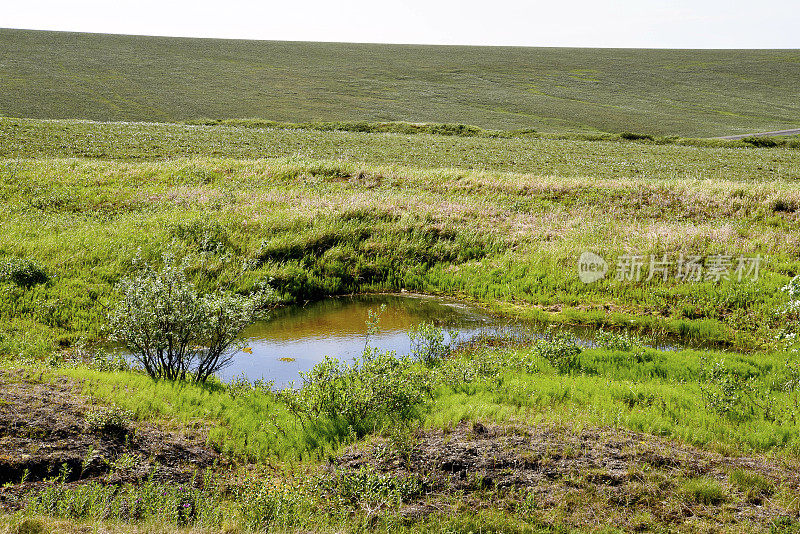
[(47, 425), (592, 477), (550, 475)]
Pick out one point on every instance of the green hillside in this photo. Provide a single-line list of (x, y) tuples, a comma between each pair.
[(682, 92)]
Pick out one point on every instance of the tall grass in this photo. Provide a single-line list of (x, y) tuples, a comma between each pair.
[(658, 393), (651, 391), (316, 228), (250, 425)]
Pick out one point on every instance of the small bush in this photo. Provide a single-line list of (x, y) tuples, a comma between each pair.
[(619, 341), (264, 504), (108, 419), (631, 136), (561, 349), (427, 343), (370, 486), (22, 272), (703, 491), (731, 394), (783, 205), (376, 390), (174, 332), (763, 141)]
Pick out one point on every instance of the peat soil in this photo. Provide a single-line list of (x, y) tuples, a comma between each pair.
[(592, 477), (44, 427)]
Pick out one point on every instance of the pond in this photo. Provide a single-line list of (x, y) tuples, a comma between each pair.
[(296, 338)]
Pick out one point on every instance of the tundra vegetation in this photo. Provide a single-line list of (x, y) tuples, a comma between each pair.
[(698, 93), (507, 433)]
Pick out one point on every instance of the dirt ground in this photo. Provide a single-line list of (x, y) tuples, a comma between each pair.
[(589, 478), (43, 426)]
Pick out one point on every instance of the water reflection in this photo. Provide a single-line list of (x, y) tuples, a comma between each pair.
[(298, 337)]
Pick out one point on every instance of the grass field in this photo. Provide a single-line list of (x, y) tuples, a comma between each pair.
[(503, 435), (333, 212), (105, 77)]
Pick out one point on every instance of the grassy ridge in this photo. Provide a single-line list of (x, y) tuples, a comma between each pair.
[(111, 77), (656, 393), (325, 227), (601, 158)]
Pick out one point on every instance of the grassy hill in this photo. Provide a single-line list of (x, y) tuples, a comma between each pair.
[(682, 92)]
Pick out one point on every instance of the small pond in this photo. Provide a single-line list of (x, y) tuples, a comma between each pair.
[(296, 338)]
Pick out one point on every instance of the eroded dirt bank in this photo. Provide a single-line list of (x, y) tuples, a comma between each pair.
[(589, 478), (547, 475), (46, 425)]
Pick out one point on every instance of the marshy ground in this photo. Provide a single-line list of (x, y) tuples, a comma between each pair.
[(502, 437)]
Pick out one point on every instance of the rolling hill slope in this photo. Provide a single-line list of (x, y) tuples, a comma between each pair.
[(682, 92)]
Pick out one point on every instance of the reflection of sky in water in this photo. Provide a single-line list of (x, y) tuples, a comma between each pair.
[(337, 327)]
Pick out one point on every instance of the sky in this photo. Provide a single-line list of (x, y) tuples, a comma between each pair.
[(584, 23)]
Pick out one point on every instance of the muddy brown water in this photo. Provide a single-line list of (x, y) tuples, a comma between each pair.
[(296, 338)]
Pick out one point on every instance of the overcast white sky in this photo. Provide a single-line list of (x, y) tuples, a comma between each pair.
[(618, 23)]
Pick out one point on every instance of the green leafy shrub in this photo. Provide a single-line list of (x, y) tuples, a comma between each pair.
[(619, 341), (427, 343), (174, 332), (171, 504), (375, 390), (732, 393), (263, 504), (561, 349), (367, 485), (22, 272)]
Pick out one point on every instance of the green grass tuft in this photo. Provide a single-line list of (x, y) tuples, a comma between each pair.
[(703, 491)]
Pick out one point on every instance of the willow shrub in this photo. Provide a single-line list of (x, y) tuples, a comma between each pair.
[(172, 330)]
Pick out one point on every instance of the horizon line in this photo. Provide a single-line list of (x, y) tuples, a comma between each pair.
[(162, 36)]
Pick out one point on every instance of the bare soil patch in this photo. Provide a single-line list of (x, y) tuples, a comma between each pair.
[(588, 478), (44, 427)]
